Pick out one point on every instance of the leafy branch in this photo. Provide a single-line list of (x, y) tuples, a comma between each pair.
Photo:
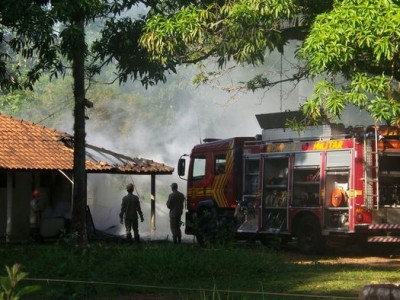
[(9, 283)]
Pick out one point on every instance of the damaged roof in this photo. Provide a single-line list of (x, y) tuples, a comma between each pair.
[(29, 146)]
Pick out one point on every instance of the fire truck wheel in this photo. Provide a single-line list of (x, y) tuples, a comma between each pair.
[(200, 240), (212, 231), (206, 237), (309, 237), (206, 228)]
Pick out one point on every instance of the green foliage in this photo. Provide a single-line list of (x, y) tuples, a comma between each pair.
[(359, 41), (212, 232), (13, 103), (45, 33), (238, 30), (9, 285), (242, 32), (360, 34), (29, 32), (119, 44)]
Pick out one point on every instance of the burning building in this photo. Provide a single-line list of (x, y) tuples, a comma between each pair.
[(33, 156)]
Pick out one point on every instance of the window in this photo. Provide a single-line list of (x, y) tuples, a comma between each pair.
[(46, 179), (199, 168), (3, 180), (220, 164)]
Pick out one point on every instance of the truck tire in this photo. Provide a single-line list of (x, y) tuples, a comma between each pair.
[(200, 239), (212, 230), (309, 237), (205, 228)]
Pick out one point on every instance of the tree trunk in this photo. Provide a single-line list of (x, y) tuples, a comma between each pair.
[(79, 192)]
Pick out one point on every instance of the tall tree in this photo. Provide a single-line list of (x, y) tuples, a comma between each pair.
[(29, 27), (77, 56)]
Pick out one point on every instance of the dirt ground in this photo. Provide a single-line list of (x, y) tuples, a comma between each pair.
[(372, 255)]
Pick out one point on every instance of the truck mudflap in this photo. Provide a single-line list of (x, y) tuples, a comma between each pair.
[(189, 227)]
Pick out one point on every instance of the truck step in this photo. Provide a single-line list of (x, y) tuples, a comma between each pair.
[(384, 239)]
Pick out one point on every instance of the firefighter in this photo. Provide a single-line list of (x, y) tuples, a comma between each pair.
[(35, 218), (175, 205), (130, 209)]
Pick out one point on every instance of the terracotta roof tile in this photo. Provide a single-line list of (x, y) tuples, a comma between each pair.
[(29, 146)]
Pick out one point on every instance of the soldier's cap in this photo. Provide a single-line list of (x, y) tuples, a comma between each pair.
[(36, 193)]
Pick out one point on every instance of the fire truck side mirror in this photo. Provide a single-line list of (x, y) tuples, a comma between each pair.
[(181, 167)]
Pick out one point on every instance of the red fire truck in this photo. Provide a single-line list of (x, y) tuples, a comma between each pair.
[(326, 181)]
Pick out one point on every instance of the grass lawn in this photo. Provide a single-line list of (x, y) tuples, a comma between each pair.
[(152, 270)]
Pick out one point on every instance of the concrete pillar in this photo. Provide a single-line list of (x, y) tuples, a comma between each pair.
[(9, 206), (153, 205)]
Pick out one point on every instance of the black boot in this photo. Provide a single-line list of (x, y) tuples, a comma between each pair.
[(175, 239), (129, 237)]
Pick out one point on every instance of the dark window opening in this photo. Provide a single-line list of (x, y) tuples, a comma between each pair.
[(220, 165), (3, 180), (46, 180)]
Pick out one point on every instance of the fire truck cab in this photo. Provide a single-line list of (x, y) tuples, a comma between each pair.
[(326, 181)]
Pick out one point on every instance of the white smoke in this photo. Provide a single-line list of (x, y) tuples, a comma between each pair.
[(200, 112)]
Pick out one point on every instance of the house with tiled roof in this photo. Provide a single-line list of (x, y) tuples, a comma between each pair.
[(33, 156)]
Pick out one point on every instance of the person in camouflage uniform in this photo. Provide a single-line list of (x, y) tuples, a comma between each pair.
[(130, 209), (175, 205)]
